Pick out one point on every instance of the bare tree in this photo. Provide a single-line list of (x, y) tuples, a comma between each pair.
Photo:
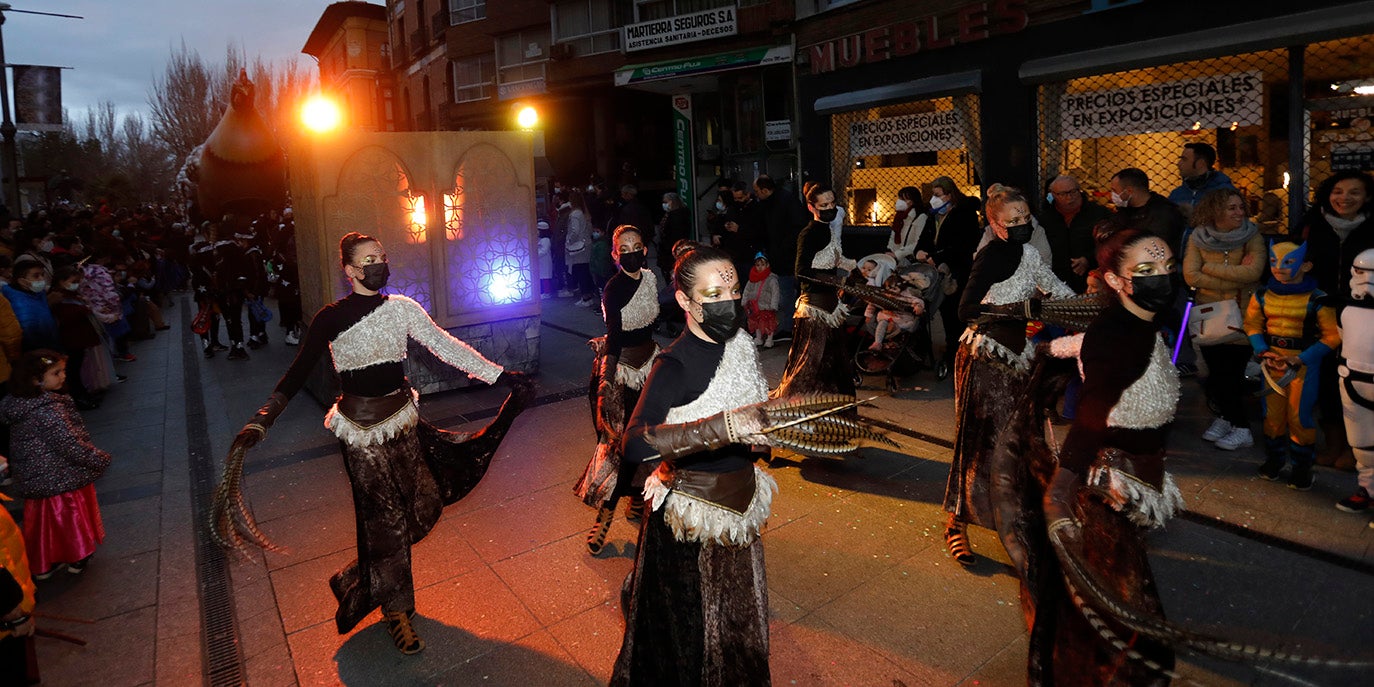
[(185, 101)]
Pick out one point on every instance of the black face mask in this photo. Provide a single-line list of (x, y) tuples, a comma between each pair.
[(1019, 233), (722, 319), (1155, 293), (375, 276), (828, 216), (632, 261)]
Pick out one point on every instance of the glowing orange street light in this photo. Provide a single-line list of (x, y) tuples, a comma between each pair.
[(321, 114), (527, 117)]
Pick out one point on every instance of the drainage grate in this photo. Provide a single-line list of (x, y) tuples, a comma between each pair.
[(219, 626)]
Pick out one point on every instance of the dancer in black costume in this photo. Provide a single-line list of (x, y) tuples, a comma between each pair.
[(697, 600), (402, 470), (629, 304)]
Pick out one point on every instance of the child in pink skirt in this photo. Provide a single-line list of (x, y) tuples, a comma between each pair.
[(761, 302), (54, 466)]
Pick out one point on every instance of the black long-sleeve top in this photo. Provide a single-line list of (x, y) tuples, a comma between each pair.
[(619, 290), (328, 323), (995, 263), (1116, 352), (680, 374), (814, 237)]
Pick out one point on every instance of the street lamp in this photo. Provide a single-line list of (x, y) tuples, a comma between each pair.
[(527, 118), (321, 114)]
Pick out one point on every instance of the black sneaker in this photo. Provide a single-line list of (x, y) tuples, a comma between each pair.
[(1271, 468), (1357, 502), (1301, 478), (209, 352), (255, 342), (238, 352)]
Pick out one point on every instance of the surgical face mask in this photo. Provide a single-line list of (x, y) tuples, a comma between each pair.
[(73, 286), (1119, 201), (38, 285), (1049, 197), (720, 206), (722, 319), (1019, 233), (115, 233), (903, 206), (45, 247), (375, 276), (632, 261), (667, 207), (1155, 293), (591, 189), (828, 216), (937, 202)]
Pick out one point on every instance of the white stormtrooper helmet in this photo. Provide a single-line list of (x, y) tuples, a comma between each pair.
[(1362, 274)]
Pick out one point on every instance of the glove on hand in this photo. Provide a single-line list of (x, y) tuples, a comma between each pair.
[(256, 428)]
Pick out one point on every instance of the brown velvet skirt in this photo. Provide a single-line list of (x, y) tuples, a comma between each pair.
[(695, 614), (818, 360)]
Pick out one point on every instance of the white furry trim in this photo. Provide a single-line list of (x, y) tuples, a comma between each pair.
[(986, 345), (1150, 401), (1066, 347), (632, 377), (642, 310), (738, 381), (355, 434), (831, 319), (1142, 504), (695, 520)]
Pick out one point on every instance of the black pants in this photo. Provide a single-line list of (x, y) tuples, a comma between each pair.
[(1225, 385), (75, 384), (582, 280), (954, 327), (231, 307), (289, 301)]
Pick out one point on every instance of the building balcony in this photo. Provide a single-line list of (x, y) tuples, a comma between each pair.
[(438, 24)]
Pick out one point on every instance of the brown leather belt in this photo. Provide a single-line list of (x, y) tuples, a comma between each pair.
[(730, 490), (370, 411)]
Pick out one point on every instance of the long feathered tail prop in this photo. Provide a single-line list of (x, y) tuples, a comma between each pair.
[(887, 299), (232, 524), (1095, 600), (812, 424)]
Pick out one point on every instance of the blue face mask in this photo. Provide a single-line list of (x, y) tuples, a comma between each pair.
[(1049, 197)]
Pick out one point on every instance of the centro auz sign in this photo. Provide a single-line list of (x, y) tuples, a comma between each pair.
[(683, 28)]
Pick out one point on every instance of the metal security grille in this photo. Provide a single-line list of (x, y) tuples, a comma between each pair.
[(1338, 84), (877, 151), (1095, 126)]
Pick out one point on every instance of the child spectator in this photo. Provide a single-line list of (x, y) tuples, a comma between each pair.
[(761, 302), (545, 260), (54, 466), (892, 321), (28, 296), (76, 329), (1291, 328)]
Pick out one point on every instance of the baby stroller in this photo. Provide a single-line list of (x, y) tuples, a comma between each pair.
[(906, 353)]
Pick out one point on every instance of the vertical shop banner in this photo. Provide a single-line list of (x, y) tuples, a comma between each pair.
[(682, 149), (914, 133), (37, 98), (1209, 102)]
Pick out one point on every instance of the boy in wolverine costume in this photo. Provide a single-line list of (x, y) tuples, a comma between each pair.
[(1291, 329)]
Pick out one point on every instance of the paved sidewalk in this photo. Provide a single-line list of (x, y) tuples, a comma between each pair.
[(861, 590)]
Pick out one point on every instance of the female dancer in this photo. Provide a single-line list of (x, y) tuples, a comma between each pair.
[(629, 304), (399, 470), (697, 606), (993, 360), (1110, 485), (817, 360)]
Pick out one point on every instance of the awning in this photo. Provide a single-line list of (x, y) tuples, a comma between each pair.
[(1295, 29), (957, 83), (739, 59)]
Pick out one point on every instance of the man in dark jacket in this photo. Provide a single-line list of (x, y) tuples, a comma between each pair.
[(1068, 219), (782, 217), (1141, 208), (1195, 168)]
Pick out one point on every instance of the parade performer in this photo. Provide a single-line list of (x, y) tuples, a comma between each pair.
[(1291, 328), (402, 471), (993, 361), (629, 304), (1357, 379), (696, 606), (817, 360), (1110, 485)]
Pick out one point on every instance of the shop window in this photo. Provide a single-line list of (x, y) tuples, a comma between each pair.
[(463, 11), (474, 78), (648, 10), (589, 27), (1094, 126), (1339, 108), (878, 151), (520, 57)]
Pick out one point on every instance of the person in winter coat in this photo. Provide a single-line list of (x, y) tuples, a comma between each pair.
[(29, 300), (761, 302), (16, 603), (908, 225), (11, 339), (54, 466), (578, 249)]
